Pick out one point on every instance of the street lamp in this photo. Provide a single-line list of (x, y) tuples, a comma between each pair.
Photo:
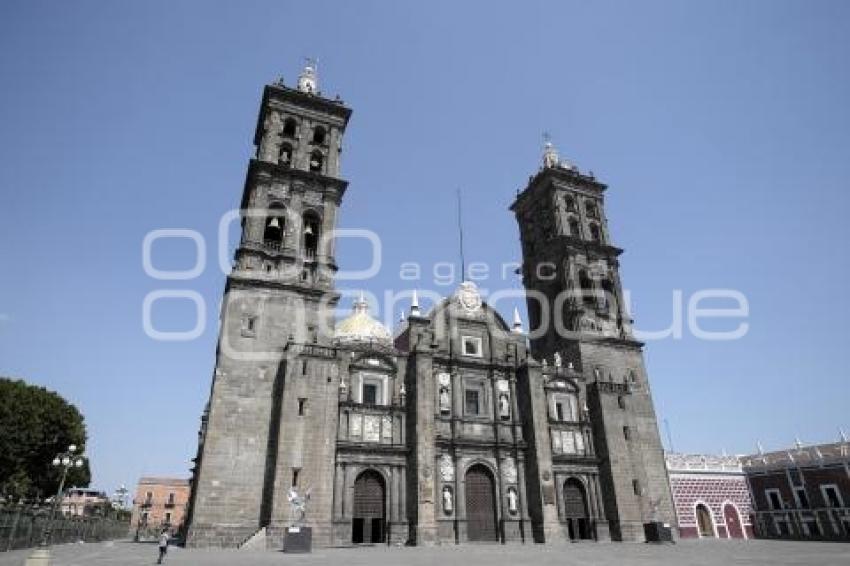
[(65, 460), (120, 498)]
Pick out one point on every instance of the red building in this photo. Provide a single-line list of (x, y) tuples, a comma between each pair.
[(160, 503), (711, 496), (802, 492)]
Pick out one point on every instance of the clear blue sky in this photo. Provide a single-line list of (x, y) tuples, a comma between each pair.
[(722, 128)]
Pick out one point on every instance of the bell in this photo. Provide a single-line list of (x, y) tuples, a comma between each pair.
[(308, 231), (274, 223)]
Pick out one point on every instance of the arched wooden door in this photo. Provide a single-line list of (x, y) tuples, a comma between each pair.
[(705, 524), (368, 524), (576, 511), (734, 529), (480, 498)]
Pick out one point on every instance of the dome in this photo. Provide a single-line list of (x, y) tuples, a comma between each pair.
[(361, 327)]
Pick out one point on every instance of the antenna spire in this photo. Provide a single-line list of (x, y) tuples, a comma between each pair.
[(460, 234)]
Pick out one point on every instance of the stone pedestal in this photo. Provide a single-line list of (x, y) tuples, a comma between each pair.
[(41, 557), (658, 532), (298, 540)]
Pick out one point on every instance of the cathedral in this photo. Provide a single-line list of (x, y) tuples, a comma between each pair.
[(458, 426)]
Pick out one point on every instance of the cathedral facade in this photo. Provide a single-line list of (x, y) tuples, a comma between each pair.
[(458, 427)]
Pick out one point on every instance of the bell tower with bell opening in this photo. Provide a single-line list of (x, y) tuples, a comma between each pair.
[(577, 313), (273, 400)]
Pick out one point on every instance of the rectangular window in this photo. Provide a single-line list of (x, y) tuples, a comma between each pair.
[(249, 324), (636, 487), (148, 498), (565, 407), (773, 498), (295, 472), (302, 405), (627, 433), (471, 346), (472, 402), (168, 518), (802, 497), (559, 411), (831, 496), (370, 394), (171, 499)]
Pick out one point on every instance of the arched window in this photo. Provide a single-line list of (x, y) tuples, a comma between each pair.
[(311, 235), (289, 128), (587, 290), (274, 226), (285, 155), (705, 522), (316, 160), (319, 135), (575, 230), (590, 210), (595, 234)]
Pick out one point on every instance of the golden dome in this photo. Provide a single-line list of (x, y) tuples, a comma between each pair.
[(361, 327)]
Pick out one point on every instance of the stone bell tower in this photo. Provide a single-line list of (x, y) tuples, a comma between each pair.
[(265, 430), (576, 310)]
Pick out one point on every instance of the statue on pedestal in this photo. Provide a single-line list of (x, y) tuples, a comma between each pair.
[(297, 505)]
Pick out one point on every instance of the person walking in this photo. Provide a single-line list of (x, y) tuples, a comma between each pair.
[(163, 545)]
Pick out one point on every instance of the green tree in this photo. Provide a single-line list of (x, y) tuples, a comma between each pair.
[(35, 426)]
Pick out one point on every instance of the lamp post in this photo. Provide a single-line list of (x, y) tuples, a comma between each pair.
[(66, 461), (120, 498)]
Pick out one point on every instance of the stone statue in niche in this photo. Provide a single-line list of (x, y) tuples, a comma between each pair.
[(504, 389), (513, 501), (557, 362), (504, 406), (448, 504), (271, 138), (444, 380), (445, 403)]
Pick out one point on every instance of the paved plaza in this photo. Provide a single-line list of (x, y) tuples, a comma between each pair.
[(687, 553)]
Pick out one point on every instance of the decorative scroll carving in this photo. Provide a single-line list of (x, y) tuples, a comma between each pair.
[(447, 468), (509, 471), (371, 428)]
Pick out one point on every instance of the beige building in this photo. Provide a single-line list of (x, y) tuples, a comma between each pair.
[(80, 502)]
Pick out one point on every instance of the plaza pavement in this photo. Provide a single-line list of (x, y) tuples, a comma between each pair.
[(685, 553)]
